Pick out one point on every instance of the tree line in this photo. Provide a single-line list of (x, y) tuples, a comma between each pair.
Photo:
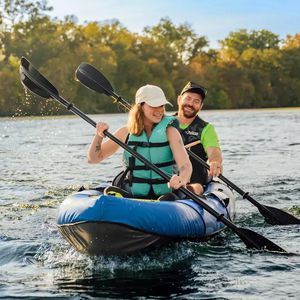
[(251, 69)]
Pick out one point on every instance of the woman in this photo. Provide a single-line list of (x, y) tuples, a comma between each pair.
[(153, 135)]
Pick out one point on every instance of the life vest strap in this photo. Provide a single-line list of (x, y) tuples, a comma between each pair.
[(147, 144), (160, 165), (148, 180)]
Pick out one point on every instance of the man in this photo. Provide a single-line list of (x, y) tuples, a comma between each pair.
[(198, 136)]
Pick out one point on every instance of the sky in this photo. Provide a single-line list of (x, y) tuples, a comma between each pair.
[(214, 19)]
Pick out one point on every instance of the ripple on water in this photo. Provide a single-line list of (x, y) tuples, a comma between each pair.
[(15, 251)]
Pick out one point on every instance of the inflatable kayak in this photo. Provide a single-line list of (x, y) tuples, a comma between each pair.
[(99, 224)]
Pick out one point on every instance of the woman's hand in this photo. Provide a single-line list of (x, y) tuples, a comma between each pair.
[(100, 127), (100, 149), (176, 182)]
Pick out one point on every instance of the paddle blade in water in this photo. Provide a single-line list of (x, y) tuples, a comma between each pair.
[(277, 216), (33, 80), (93, 79), (256, 241)]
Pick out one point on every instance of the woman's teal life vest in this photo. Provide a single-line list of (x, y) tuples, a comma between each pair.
[(156, 149)]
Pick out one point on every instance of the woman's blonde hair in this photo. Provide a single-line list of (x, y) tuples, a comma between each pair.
[(136, 120)]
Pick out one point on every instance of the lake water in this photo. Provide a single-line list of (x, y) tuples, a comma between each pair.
[(44, 159)]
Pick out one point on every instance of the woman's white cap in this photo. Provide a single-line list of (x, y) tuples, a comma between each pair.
[(152, 95)]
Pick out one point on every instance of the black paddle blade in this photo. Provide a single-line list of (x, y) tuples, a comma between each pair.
[(34, 81), (276, 216), (256, 241), (93, 79)]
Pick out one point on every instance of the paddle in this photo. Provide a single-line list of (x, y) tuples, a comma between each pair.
[(96, 81), (272, 215), (87, 76), (39, 85)]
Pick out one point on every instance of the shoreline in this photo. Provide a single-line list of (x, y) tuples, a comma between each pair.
[(296, 108)]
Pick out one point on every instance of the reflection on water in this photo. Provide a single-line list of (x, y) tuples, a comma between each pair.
[(43, 160)]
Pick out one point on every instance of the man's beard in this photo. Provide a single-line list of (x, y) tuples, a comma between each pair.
[(189, 114)]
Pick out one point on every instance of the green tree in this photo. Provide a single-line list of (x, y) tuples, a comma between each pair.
[(181, 42), (257, 39), (13, 12), (289, 90)]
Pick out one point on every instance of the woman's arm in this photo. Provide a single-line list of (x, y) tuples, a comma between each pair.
[(99, 151), (181, 158)]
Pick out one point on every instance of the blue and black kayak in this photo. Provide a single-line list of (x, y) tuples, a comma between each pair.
[(100, 224)]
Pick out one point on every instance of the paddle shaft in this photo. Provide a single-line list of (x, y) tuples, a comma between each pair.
[(224, 179), (121, 100)]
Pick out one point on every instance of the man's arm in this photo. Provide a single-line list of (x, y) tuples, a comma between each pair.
[(214, 155), (210, 142)]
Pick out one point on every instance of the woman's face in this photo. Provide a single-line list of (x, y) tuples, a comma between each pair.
[(153, 114)]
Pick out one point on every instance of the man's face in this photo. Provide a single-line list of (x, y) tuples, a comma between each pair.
[(189, 104)]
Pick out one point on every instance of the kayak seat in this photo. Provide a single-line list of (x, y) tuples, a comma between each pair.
[(168, 197), (116, 192)]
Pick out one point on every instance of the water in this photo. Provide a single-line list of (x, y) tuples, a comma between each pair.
[(43, 160)]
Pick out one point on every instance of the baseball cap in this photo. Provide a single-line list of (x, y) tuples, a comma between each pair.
[(152, 95), (195, 88)]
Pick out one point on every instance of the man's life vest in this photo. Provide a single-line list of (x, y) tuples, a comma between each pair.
[(192, 134)]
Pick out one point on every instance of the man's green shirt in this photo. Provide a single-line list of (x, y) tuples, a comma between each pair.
[(209, 137)]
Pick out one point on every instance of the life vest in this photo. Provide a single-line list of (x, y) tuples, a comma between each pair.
[(192, 134), (142, 180)]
